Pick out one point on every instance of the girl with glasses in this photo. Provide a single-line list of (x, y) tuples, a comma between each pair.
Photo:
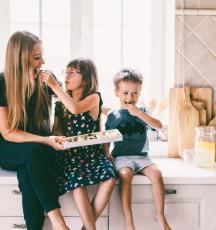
[(78, 112)]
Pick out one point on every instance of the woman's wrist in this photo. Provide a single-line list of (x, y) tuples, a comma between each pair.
[(45, 140)]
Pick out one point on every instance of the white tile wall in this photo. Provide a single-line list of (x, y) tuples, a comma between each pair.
[(195, 62)]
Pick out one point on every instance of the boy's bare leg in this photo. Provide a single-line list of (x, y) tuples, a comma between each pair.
[(154, 175), (84, 207), (126, 176), (102, 197), (57, 220)]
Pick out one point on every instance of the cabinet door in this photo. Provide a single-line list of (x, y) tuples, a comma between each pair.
[(12, 223), (17, 223), (68, 206), (76, 223), (10, 201), (180, 215), (181, 209)]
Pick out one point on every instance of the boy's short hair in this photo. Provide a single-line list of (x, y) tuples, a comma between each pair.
[(127, 75)]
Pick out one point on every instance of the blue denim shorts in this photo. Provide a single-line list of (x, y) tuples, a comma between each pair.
[(135, 163)]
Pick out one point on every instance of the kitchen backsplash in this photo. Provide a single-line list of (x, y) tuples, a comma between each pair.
[(195, 62)]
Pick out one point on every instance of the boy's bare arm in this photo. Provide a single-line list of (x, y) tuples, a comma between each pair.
[(151, 121)]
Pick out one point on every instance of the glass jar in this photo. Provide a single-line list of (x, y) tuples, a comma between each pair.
[(205, 146)]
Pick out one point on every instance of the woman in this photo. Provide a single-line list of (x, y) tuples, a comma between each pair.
[(25, 144)]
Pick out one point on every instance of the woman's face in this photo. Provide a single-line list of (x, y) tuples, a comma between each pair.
[(37, 60)]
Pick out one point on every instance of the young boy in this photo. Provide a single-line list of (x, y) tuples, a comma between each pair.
[(130, 156)]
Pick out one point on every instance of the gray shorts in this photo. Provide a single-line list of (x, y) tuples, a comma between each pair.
[(136, 163)]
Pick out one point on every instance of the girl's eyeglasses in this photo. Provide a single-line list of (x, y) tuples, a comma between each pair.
[(71, 72)]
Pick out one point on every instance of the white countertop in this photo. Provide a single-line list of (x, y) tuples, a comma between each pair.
[(174, 170)]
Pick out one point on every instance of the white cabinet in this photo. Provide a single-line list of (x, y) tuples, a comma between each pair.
[(11, 215), (183, 210), (75, 223), (190, 202), (17, 223), (189, 205)]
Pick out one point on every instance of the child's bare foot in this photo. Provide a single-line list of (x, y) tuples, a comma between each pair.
[(129, 226), (60, 227), (162, 222)]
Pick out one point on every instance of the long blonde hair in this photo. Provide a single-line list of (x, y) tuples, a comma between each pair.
[(20, 85)]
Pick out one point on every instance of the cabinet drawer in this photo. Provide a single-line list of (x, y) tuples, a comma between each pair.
[(17, 223), (10, 201), (76, 223), (182, 215), (68, 206), (141, 193)]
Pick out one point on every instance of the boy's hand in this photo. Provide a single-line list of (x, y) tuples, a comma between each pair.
[(133, 109)]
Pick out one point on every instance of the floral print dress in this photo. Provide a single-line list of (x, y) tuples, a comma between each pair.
[(85, 165)]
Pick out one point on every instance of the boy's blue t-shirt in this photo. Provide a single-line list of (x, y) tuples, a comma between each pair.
[(134, 131)]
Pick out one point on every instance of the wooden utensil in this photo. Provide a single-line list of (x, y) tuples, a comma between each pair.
[(201, 107), (213, 121), (183, 118), (205, 95)]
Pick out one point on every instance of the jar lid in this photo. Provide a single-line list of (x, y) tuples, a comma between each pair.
[(206, 129)]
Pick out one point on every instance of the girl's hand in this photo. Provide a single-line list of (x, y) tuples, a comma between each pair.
[(109, 156), (56, 142), (48, 79)]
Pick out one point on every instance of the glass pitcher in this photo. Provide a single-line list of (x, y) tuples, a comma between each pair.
[(205, 146)]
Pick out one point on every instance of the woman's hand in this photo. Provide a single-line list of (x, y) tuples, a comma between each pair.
[(48, 79), (56, 142)]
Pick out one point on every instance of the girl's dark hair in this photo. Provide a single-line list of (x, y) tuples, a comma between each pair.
[(127, 74), (89, 74)]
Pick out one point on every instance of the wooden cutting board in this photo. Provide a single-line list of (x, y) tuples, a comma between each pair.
[(200, 105), (183, 118), (205, 95), (213, 121)]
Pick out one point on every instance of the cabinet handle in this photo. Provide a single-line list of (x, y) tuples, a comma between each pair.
[(16, 192), (170, 191), (20, 226)]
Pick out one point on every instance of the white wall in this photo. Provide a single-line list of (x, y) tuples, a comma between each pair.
[(4, 29)]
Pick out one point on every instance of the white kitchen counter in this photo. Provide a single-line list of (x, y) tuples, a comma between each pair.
[(175, 171), (189, 200)]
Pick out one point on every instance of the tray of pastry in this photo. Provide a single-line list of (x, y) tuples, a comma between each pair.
[(101, 137)]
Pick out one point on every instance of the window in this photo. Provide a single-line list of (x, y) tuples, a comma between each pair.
[(121, 38), (50, 20), (114, 33)]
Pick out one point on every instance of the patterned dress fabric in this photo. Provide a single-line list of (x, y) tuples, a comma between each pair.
[(80, 166)]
